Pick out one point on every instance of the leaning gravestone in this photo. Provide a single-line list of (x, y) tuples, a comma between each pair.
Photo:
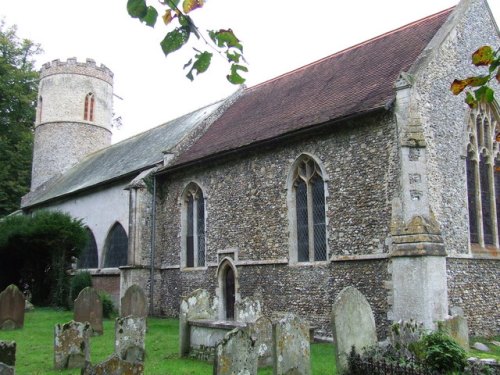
[(457, 328), (353, 325), (88, 308), (11, 308), (71, 345), (236, 354), (291, 347), (8, 353), (262, 332), (130, 335), (134, 302), (114, 366)]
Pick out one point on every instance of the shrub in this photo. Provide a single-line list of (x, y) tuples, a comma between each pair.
[(79, 281), (108, 308), (441, 353)]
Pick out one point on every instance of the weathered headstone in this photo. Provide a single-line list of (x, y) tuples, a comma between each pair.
[(71, 345), (236, 354), (11, 308), (291, 347), (88, 308), (134, 302), (405, 332), (353, 325), (262, 332), (8, 352), (130, 333), (458, 329), (6, 369), (248, 309), (114, 366), (196, 305)]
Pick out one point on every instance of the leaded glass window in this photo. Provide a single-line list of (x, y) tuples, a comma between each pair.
[(88, 257), (309, 192), (116, 247), (483, 181), (194, 241)]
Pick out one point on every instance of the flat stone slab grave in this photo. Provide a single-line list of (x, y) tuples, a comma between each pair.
[(291, 346), (353, 325), (130, 334), (134, 303), (88, 308), (12, 305), (236, 354), (71, 345)]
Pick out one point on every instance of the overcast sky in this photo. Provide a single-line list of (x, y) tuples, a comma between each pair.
[(278, 36)]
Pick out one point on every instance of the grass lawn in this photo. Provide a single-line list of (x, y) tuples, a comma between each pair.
[(35, 347)]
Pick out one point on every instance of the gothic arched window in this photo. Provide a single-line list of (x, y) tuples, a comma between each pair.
[(483, 177), (88, 110), (88, 257), (116, 247), (309, 212), (193, 246)]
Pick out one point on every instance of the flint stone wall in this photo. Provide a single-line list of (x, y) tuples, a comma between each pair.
[(473, 286)]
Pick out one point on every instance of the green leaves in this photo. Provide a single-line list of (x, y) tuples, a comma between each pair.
[(234, 77), (484, 56), (175, 39), (139, 9), (200, 65), (226, 39)]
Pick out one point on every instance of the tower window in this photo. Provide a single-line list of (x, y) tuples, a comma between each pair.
[(88, 111)]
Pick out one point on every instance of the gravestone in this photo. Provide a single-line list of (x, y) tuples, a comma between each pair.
[(236, 354), (248, 309), (8, 353), (130, 333), (71, 345), (114, 366), (88, 308), (134, 302), (196, 305), (353, 325), (406, 332), (11, 308), (291, 347), (6, 369), (457, 328), (262, 332)]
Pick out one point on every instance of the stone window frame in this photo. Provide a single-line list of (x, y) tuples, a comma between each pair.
[(89, 107), (193, 188), (107, 245), (292, 212), (85, 254), (483, 129)]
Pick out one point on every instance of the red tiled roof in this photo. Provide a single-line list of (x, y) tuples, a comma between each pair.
[(353, 81)]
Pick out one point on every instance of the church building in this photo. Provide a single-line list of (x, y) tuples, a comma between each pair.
[(360, 169)]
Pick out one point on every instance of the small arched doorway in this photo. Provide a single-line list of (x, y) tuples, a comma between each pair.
[(227, 292), (229, 295)]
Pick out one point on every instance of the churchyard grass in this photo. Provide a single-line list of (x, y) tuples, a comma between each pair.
[(35, 347)]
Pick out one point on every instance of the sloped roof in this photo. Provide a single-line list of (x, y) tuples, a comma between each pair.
[(350, 82), (121, 159)]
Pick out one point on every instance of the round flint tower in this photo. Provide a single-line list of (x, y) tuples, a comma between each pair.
[(73, 116)]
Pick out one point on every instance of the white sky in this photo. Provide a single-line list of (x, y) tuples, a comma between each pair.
[(278, 36)]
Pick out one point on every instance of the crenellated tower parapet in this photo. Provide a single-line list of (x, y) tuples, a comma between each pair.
[(72, 66)]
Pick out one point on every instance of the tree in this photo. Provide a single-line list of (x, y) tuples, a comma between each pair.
[(478, 87), (18, 91), (37, 251), (223, 42)]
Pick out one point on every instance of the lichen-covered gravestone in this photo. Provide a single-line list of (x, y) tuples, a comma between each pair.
[(353, 325), (196, 305), (71, 345), (291, 347), (11, 308), (236, 354), (130, 335), (114, 366), (262, 332), (457, 327), (134, 302), (88, 308), (248, 309), (8, 353)]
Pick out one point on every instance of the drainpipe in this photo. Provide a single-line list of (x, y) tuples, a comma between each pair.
[(152, 254)]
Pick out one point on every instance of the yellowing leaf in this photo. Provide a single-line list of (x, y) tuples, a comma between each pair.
[(483, 56), (190, 5), (459, 85), (167, 17)]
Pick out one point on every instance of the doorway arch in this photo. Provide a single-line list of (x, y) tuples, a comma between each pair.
[(228, 289)]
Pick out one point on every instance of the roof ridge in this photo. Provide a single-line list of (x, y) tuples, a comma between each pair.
[(355, 46)]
